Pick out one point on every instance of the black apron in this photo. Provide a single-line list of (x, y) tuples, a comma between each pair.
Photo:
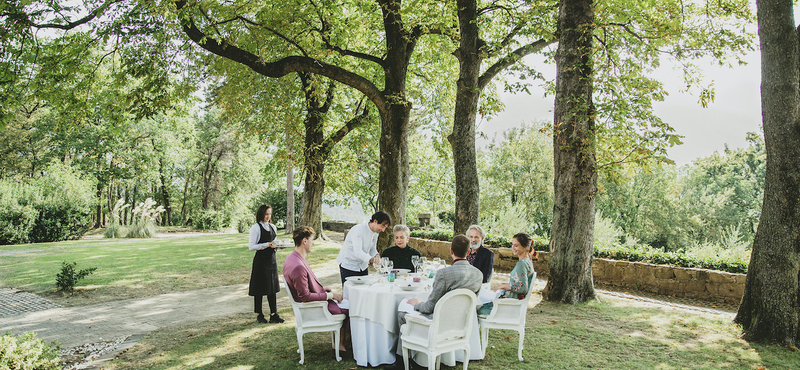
[(264, 277)]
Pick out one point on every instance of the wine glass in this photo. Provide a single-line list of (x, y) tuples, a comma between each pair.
[(385, 264), (389, 266), (415, 262), (423, 263), (377, 265), (436, 263)]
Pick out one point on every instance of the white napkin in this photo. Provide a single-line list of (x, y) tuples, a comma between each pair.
[(486, 295), (344, 304), (407, 308)]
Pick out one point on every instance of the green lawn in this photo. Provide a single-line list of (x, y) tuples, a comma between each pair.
[(132, 268), (601, 335), (613, 334)]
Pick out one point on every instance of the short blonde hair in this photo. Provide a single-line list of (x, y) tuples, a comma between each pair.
[(402, 228)]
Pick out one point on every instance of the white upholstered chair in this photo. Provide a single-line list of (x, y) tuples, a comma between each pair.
[(447, 331), (314, 317), (507, 314)]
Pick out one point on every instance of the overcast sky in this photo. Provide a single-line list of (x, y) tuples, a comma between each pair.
[(735, 111)]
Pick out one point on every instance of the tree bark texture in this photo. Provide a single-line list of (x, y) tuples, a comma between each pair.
[(315, 153), (462, 140), (575, 178), (770, 309)]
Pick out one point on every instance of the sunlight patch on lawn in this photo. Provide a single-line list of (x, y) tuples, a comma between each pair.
[(202, 258), (100, 256)]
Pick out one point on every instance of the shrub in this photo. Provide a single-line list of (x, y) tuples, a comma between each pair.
[(16, 220), (144, 219), (27, 352), (68, 278), (209, 220), (114, 229), (446, 217), (64, 206)]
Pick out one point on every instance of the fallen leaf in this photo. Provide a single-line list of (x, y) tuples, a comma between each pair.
[(553, 322)]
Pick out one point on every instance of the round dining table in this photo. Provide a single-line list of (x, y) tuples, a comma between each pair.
[(373, 321)]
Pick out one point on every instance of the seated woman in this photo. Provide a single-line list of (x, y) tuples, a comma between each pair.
[(521, 276), (401, 253)]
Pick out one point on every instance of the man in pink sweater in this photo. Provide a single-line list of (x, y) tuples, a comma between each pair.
[(302, 282)]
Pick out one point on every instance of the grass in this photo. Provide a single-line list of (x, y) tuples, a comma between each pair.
[(134, 268), (612, 334)]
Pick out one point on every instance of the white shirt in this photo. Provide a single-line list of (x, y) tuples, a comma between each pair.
[(255, 234), (358, 248)]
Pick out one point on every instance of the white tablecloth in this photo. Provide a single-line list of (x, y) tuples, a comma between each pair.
[(374, 328), (373, 319)]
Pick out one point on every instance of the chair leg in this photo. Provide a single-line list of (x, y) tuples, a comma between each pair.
[(484, 339), (434, 361), (466, 356), (521, 342), (405, 357), (336, 344), (300, 347)]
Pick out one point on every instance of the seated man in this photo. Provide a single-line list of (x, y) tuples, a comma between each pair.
[(480, 256), (302, 282), (401, 253), (459, 275)]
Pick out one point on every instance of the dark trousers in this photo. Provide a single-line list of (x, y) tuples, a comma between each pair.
[(273, 303), (345, 273)]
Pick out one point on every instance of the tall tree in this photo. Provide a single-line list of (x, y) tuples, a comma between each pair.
[(472, 50), (770, 307), (575, 177), (212, 28)]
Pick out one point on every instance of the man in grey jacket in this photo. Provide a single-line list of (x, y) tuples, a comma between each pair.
[(460, 275)]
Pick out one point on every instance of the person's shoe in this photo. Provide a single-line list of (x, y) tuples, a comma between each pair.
[(261, 319), (275, 319)]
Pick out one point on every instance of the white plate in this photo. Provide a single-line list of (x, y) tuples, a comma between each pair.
[(401, 271), (360, 279), (408, 285)]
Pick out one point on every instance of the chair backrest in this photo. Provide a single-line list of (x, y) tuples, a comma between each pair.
[(453, 315), (512, 311), (304, 315)]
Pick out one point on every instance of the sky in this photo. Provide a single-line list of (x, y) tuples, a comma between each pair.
[(735, 111)]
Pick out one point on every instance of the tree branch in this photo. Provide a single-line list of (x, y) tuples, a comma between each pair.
[(70, 25), (352, 124), (283, 66), (512, 58)]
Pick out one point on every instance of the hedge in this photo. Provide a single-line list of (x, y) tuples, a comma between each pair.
[(618, 253)]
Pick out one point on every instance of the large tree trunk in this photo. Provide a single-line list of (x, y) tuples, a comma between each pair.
[(574, 157), (462, 140), (289, 185), (315, 154), (393, 180), (770, 309)]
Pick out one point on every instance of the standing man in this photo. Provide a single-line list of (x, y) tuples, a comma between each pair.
[(360, 246), (479, 256)]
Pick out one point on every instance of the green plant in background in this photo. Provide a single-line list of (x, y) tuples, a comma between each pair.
[(209, 219), (114, 229), (68, 278), (27, 352), (144, 219)]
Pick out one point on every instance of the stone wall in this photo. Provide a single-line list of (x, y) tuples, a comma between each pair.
[(668, 280)]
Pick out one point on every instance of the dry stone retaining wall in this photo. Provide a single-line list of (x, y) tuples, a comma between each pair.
[(667, 280)]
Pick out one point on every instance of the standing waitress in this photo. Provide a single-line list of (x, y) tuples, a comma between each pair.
[(264, 277)]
